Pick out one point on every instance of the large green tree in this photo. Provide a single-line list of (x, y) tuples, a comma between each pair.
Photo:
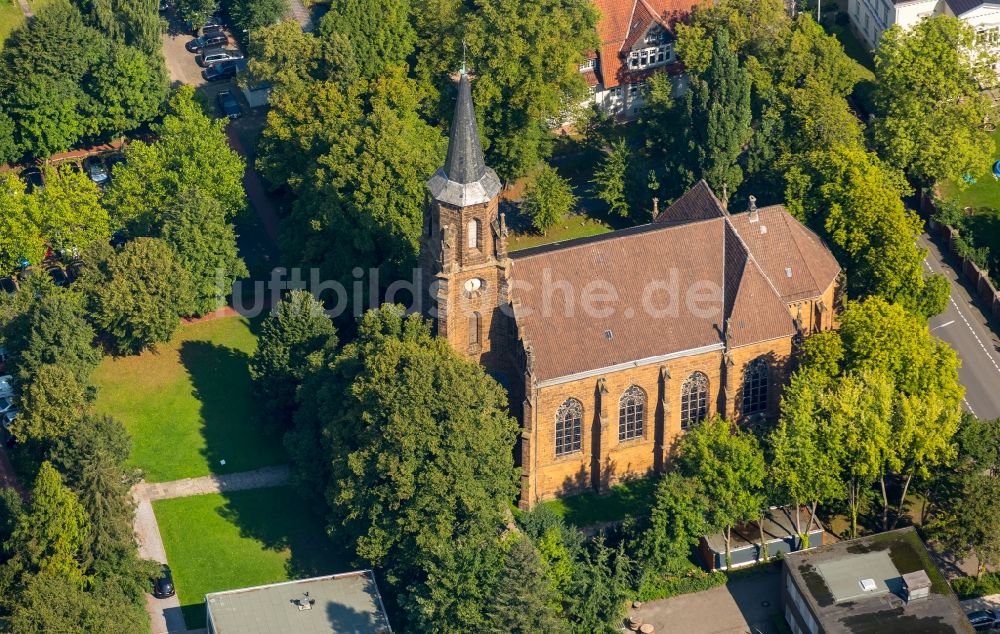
[(525, 57), (49, 536), (931, 107), (522, 601), (20, 236), (53, 604), (52, 402), (549, 199), (69, 211), (191, 153), (136, 294), (204, 243), (294, 340), (379, 32), (677, 521), (417, 476), (730, 465)]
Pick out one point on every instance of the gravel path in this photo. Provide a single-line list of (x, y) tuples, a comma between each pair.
[(256, 479)]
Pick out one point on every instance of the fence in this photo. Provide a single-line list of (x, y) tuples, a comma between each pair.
[(979, 278)]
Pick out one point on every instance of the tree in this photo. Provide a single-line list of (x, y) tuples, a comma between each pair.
[(69, 211), (718, 116), (602, 587), (196, 12), (129, 87), (802, 464), (414, 471), (52, 403), (522, 600), (250, 15), (52, 331), (548, 199), (928, 95), (135, 295), (49, 536), (11, 508), (20, 236), (525, 57), (730, 466), (675, 525), (611, 177), (204, 244), (854, 199), (379, 32), (136, 24), (191, 153), (293, 342), (858, 423), (53, 604)]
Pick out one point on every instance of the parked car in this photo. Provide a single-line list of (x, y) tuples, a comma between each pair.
[(209, 40), (163, 586), (32, 177), (984, 620), (6, 404), (8, 417), (96, 170), (8, 285), (7, 386), (212, 56), (228, 104), (225, 70), (213, 25)]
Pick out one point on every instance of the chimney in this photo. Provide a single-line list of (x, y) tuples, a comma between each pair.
[(656, 207), (754, 216)]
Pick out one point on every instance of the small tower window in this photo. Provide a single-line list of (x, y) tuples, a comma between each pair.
[(473, 234), (475, 325)]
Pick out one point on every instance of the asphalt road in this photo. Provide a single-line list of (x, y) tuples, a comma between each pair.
[(966, 327)]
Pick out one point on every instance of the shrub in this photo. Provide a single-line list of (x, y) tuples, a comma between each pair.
[(658, 586), (971, 587)]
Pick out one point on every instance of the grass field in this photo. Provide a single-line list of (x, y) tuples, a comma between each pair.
[(575, 226), (985, 192), (244, 538), (189, 405), (632, 498), (10, 18)]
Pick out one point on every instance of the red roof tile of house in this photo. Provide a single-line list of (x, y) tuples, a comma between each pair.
[(623, 22)]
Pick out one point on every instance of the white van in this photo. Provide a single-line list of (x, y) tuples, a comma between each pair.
[(218, 55)]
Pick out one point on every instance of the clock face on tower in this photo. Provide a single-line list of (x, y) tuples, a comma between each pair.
[(473, 285)]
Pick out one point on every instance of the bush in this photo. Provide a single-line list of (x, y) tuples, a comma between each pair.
[(658, 586), (971, 588)]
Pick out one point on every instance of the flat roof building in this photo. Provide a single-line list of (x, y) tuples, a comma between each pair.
[(347, 603), (861, 586)]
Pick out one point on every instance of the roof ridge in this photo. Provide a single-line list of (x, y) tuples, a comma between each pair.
[(627, 232), (751, 257), (628, 28)]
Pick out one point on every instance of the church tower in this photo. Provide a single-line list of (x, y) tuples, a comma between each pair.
[(463, 248)]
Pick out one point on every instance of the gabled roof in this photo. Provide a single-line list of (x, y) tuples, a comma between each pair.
[(623, 22), (961, 7), (696, 279)]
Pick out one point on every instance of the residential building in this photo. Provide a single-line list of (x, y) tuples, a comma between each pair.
[(870, 18), (612, 346), (637, 40), (884, 583), (345, 603)]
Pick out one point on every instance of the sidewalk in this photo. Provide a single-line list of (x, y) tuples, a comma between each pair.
[(257, 479), (991, 602)]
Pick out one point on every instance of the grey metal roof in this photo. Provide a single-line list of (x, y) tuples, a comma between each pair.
[(465, 179), (960, 7), (347, 603)]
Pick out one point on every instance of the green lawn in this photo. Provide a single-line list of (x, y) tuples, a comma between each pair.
[(239, 539), (632, 498), (10, 18), (576, 226), (985, 192), (189, 404)]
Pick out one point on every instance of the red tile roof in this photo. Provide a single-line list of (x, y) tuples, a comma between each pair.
[(623, 22), (694, 249)]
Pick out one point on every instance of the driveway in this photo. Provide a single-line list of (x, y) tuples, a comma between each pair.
[(744, 605)]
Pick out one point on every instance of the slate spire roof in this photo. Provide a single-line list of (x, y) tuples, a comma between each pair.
[(465, 179)]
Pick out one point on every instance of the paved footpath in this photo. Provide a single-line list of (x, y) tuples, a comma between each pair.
[(165, 614)]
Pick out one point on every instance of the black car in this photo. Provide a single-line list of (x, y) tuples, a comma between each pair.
[(984, 620), (209, 40), (228, 104), (163, 586), (8, 285), (58, 276), (223, 71)]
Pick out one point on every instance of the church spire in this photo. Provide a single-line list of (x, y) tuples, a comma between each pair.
[(465, 179)]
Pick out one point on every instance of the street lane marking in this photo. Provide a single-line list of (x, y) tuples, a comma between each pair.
[(951, 298), (971, 411), (947, 323)]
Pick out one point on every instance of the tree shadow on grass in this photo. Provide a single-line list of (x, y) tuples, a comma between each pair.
[(233, 428)]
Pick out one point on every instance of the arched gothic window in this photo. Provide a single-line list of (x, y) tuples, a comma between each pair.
[(472, 239), (569, 424), (755, 386), (475, 326), (694, 400), (631, 413)]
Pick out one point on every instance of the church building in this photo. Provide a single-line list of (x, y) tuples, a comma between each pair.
[(612, 346)]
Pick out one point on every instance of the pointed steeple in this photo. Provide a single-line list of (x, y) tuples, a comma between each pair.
[(465, 179)]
